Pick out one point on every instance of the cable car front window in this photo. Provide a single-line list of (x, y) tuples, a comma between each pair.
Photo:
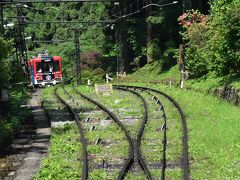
[(56, 66), (48, 67), (39, 67)]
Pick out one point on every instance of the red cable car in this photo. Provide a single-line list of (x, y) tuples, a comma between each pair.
[(45, 70)]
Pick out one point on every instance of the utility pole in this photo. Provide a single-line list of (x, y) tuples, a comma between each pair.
[(181, 58), (124, 61), (149, 30), (117, 44), (77, 55), (16, 43), (21, 39), (187, 5)]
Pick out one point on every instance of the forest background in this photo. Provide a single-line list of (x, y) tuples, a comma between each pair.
[(154, 34)]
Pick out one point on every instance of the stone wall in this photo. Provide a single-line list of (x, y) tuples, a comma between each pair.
[(229, 93)]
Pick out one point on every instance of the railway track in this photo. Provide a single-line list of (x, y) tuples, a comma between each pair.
[(184, 160), (135, 156), (164, 129), (134, 144), (86, 157), (82, 137)]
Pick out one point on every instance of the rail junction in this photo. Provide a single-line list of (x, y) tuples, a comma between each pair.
[(137, 161)]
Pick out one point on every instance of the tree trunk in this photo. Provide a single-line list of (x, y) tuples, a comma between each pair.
[(124, 64), (1, 19), (149, 31)]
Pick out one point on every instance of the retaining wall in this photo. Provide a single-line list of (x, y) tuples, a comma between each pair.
[(229, 93)]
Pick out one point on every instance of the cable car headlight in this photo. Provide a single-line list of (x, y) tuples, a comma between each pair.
[(48, 77)]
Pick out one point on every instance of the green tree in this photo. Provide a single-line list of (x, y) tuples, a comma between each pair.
[(195, 36), (223, 45), (4, 64), (213, 44)]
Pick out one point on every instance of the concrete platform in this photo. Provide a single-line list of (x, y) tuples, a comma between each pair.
[(40, 143)]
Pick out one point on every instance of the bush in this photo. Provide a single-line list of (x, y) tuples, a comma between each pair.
[(214, 41), (11, 123), (153, 50), (4, 64), (96, 76), (224, 38), (195, 24)]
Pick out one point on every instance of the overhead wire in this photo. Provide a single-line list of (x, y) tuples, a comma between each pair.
[(51, 1), (139, 8), (51, 41)]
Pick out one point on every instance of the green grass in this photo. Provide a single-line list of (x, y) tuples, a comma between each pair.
[(213, 136), (63, 161), (137, 176), (64, 157), (152, 72), (125, 104), (213, 124), (122, 104), (205, 84), (118, 147)]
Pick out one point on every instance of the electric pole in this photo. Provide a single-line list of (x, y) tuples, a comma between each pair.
[(124, 61), (21, 39), (187, 5), (77, 55)]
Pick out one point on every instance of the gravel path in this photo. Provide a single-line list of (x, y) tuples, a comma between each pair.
[(40, 143)]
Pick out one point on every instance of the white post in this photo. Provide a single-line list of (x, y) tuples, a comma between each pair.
[(107, 78), (182, 79), (170, 84), (88, 82), (182, 84)]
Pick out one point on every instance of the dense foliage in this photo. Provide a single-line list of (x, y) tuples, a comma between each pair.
[(146, 36), (4, 64), (10, 68), (102, 38), (214, 42), (93, 36), (11, 121)]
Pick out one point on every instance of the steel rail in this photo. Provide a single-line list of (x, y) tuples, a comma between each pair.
[(82, 138), (130, 159), (140, 133), (134, 147), (164, 126), (185, 159)]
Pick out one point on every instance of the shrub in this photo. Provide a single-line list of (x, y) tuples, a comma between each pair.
[(214, 41), (196, 27), (4, 64)]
